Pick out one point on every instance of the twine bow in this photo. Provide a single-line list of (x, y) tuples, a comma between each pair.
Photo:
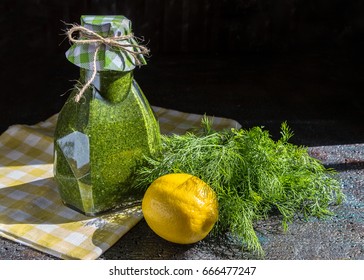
[(92, 37)]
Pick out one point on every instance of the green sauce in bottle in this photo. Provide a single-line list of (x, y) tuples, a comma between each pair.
[(100, 140)]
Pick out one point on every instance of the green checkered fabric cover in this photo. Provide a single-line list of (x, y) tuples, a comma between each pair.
[(108, 58)]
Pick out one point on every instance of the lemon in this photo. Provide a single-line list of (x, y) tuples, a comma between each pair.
[(180, 208)]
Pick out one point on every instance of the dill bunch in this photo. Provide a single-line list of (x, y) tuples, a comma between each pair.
[(252, 175)]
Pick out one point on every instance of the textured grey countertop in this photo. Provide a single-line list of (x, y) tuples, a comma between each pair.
[(340, 236)]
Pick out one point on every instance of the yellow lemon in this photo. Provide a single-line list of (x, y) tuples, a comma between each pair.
[(180, 208)]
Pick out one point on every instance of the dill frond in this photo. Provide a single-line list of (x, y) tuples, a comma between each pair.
[(252, 175)]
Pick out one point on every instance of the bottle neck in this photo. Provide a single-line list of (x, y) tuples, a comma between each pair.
[(111, 85)]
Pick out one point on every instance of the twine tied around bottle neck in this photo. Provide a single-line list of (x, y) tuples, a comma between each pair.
[(91, 37)]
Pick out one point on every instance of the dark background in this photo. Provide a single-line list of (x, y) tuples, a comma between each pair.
[(258, 61)]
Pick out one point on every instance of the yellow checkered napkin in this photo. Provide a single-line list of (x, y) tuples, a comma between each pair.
[(31, 211)]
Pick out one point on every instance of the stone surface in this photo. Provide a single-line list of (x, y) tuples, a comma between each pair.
[(340, 236)]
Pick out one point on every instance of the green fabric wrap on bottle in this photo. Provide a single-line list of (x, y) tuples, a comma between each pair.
[(109, 57)]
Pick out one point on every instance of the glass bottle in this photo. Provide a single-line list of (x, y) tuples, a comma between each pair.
[(100, 140)]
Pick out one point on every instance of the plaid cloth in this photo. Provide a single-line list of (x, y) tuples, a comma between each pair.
[(108, 58), (31, 211)]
